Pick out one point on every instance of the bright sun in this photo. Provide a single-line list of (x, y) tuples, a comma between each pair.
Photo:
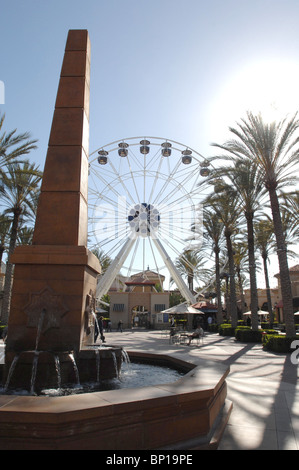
[(269, 87)]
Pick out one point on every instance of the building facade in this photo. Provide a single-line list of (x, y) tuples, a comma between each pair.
[(138, 302)]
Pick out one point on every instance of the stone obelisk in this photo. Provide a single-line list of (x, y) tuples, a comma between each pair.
[(55, 278)]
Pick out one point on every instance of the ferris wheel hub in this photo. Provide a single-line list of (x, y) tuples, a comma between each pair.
[(144, 219)]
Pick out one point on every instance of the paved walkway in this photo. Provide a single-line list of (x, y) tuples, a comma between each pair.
[(263, 387)]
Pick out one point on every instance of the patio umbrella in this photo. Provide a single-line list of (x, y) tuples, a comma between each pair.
[(100, 310), (183, 308), (260, 312)]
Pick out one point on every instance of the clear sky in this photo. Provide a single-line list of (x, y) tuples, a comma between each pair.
[(185, 70)]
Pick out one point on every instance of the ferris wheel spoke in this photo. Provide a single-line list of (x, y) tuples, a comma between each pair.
[(103, 180), (177, 236), (174, 189), (152, 162), (157, 174), (113, 250), (120, 179), (164, 187), (132, 176)]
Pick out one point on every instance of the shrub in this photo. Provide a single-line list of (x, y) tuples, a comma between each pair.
[(225, 329), (247, 335), (266, 325), (278, 343)]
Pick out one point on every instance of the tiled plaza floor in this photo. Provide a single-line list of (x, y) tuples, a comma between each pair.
[(263, 387)]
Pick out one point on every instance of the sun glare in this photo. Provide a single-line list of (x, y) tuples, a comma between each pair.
[(268, 87)]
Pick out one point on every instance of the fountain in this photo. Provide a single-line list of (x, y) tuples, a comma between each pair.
[(50, 339)]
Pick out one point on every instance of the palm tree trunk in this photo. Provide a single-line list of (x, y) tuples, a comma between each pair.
[(252, 272), (232, 284), (242, 296), (218, 287), (9, 268), (190, 281), (285, 281), (269, 300), (1, 255)]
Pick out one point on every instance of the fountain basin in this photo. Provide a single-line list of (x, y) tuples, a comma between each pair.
[(189, 413)]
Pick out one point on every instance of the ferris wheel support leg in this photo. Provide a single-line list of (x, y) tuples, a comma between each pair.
[(106, 281), (174, 273)]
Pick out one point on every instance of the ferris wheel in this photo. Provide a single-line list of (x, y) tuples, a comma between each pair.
[(145, 207)]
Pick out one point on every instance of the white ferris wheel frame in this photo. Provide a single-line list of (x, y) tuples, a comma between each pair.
[(174, 178)]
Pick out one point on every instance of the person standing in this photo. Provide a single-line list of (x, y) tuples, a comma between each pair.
[(101, 329)]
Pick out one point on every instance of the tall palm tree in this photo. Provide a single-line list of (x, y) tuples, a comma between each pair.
[(274, 148), (13, 145), (214, 234), (248, 182), (20, 184), (226, 205)]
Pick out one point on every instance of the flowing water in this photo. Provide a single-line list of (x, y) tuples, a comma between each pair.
[(11, 371), (33, 373), (132, 375), (71, 356), (57, 367)]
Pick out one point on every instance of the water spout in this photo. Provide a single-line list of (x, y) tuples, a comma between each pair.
[(71, 356), (39, 327), (125, 356), (11, 371), (115, 364), (57, 367), (33, 373), (98, 363)]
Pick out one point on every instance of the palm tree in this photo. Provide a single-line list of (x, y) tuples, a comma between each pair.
[(190, 264), (226, 205), (274, 149), (103, 258), (13, 145), (214, 234), (248, 182), (20, 184)]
